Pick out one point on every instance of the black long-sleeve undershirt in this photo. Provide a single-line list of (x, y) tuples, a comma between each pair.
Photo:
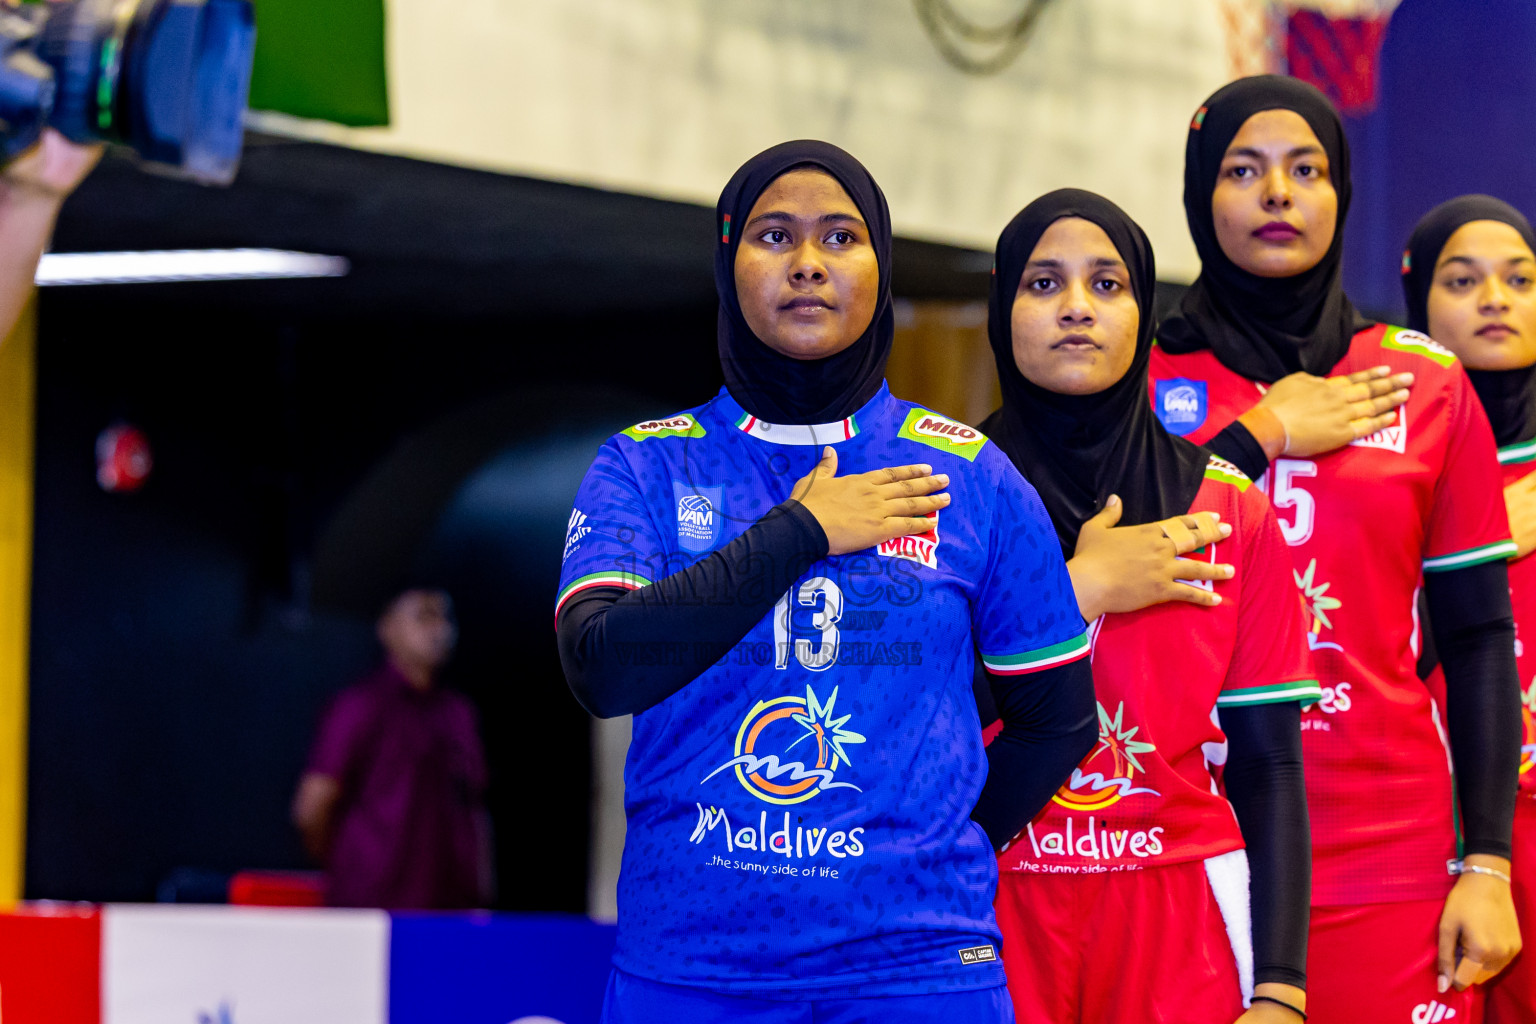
[(1239, 447), (625, 651), (1474, 638), (1266, 787), (1050, 722)]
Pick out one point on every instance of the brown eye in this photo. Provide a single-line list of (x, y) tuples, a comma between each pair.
[(1110, 285), (1041, 284), (776, 236), (841, 238)]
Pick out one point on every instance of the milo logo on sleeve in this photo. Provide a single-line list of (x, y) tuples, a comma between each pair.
[(683, 425), (943, 433)]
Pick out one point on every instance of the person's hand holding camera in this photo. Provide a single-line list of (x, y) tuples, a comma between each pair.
[(49, 171), (32, 189)]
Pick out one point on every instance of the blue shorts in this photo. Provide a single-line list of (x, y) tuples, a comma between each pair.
[(632, 1000)]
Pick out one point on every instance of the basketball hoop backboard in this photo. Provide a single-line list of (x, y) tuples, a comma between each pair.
[(1334, 44)]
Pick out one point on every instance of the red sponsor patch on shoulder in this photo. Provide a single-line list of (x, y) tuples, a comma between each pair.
[(922, 548)]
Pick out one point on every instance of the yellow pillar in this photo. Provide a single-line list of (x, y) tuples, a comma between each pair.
[(18, 403)]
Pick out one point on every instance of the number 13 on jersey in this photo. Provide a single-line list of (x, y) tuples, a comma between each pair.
[(818, 654)]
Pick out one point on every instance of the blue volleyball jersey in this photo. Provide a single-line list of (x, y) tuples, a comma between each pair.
[(799, 814)]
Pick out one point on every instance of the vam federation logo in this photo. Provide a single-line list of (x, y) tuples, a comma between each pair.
[(779, 736), (698, 516), (1180, 404)]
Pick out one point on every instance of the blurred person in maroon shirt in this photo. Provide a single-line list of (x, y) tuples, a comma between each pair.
[(392, 802)]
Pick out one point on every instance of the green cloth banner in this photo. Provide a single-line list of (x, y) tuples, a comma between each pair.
[(322, 60)]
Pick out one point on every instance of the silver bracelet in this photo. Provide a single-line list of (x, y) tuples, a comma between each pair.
[(1459, 867)]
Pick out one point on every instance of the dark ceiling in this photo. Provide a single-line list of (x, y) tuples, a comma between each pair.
[(430, 239)]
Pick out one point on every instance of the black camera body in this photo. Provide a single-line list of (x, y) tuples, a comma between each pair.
[(166, 78)]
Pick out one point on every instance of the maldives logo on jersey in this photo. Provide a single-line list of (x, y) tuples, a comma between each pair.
[(778, 737), (1315, 595), (1181, 405), (698, 516), (1105, 777), (1528, 722), (1107, 774), (922, 548)]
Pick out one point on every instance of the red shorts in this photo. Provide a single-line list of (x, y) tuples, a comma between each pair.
[(1512, 995), (1108, 948), (1377, 962)]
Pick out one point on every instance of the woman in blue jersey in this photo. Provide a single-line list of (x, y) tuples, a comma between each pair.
[(785, 586), (1140, 840)]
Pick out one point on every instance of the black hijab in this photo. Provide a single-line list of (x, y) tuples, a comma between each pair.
[(1262, 327), (771, 386), (1508, 396), (1077, 450)]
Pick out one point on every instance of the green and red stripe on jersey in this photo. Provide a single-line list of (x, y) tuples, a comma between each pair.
[(798, 433), (1038, 660)]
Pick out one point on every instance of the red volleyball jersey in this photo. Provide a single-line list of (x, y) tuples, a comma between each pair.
[(1519, 460), (1516, 460), (1147, 794), (1363, 523)]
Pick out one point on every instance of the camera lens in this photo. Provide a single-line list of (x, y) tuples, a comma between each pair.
[(26, 95), (168, 78)]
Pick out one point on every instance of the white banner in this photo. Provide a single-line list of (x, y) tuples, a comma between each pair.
[(237, 965), (667, 97)]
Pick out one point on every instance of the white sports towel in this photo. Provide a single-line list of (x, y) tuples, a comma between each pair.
[(1228, 875)]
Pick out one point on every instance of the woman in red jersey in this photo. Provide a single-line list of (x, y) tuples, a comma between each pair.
[(1469, 275), (1128, 896), (1398, 916)]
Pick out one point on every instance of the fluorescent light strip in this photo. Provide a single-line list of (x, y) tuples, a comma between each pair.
[(76, 268)]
